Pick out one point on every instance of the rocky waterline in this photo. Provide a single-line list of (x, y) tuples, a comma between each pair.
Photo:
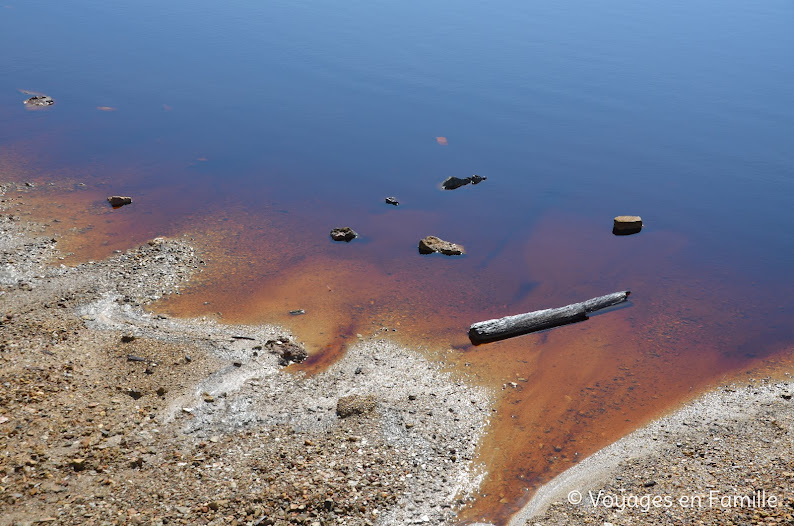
[(114, 415)]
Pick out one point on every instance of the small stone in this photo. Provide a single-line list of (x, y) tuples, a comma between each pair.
[(354, 405), (208, 398), (431, 244), (40, 101), (161, 391), (392, 201), (649, 483), (127, 338), (451, 183), (786, 396), (119, 200), (297, 312), (626, 225), (343, 234), (287, 352), (77, 464), (135, 393)]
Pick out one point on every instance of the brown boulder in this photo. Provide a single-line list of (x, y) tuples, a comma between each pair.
[(118, 200), (625, 225), (343, 234), (431, 244)]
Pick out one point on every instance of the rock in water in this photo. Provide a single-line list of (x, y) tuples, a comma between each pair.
[(625, 225), (452, 183), (432, 244), (40, 101), (343, 234), (118, 200), (392, 201)]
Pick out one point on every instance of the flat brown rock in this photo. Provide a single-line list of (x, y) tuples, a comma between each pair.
[(431, 244), (627, 225)]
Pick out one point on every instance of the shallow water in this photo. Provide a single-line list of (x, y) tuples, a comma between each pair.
[(260, 126)]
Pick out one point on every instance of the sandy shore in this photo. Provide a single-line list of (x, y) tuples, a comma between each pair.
[(112, 415)]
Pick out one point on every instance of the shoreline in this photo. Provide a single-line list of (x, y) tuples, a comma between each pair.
[(716, 460), (111, 414), (242, 415)]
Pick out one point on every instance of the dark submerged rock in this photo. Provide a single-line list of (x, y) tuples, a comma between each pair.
[(451, 183), (392, 201), (431, 244), (343, 234), (119, 200)]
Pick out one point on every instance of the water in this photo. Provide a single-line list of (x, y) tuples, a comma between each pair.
[(263, 125)]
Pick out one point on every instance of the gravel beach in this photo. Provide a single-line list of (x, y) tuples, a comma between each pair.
[(110, 414), (725, 459)]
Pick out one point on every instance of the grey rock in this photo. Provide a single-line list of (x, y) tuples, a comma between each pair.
[(40, 101), (343, 234), (431, 244)]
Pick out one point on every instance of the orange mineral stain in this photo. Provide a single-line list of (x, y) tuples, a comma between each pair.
[(559, 395)]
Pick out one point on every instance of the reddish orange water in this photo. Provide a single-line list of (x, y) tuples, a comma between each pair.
[(561, 394)]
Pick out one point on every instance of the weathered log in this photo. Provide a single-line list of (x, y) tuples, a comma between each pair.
[(509, 326)]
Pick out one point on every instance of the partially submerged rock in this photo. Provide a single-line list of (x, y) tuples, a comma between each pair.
[(343, 234), (40, 101), (626, 225), (354, 405), (119, 200), (392, 201), (431, 244), (452, 183), (287, 351)]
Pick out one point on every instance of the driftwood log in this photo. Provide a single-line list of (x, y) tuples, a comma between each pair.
[(509, 326)]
